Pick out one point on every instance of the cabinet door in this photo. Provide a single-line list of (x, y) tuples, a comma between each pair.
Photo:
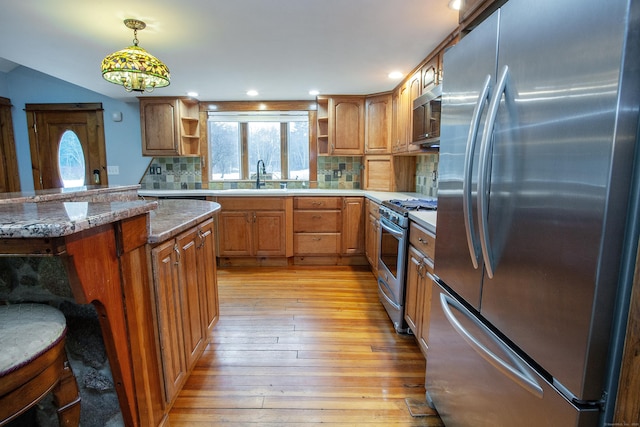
[(377, 132), (269, 233), (424, 299), (346, 121), (158, 125), (353, 226), (411, 304), (207, 276), (167, 290), (235, 233), (371, 241), (190, 296), (402, 120)]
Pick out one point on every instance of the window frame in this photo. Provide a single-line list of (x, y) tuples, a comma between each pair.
[(250, 106)]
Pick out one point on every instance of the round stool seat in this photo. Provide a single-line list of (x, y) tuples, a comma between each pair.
[(26, 332)]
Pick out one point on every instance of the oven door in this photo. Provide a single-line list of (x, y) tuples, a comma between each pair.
[(391, 271)]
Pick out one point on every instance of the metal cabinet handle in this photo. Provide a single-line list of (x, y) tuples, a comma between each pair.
[(474, 248), (176, 249), (423, 241), (201, 237)]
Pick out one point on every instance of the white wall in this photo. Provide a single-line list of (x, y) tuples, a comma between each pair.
[(26, 86)]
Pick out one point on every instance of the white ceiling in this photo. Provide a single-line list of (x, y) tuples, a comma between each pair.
[(222, 48)]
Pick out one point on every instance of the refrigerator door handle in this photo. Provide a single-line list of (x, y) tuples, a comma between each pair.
[(486, 149), (517, 371), (474, 247)]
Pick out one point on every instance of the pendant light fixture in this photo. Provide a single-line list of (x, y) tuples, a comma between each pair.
[(133, 67)]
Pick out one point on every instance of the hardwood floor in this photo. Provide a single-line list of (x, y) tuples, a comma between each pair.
[(302, 346)]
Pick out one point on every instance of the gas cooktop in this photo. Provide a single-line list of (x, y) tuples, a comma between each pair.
[(411, 204)]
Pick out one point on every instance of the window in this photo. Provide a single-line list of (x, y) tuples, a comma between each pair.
[(238, 140), (71, 160)]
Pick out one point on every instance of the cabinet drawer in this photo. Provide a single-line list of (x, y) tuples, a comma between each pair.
[(374, 208), (316, 243), (317, 203), (422, 240), (258, 203), (320, 221)]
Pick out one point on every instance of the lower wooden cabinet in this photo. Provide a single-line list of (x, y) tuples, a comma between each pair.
[(372, 234), (252, 227), (185, 287), (418, 285), (328, 226)]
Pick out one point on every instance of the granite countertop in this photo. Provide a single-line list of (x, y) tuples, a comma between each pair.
[(58, 219), (60, 194), (175, 216)]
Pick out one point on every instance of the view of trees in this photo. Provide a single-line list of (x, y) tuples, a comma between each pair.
[(264, 143), (71, 160)]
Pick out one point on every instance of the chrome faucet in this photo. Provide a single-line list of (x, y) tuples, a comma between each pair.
[(258, 183)]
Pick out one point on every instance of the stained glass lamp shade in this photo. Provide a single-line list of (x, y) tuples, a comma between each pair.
[(135, 68)]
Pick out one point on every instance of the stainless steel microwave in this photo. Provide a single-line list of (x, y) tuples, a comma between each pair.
[(426, 118)]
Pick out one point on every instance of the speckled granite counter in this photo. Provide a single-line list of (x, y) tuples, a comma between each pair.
[(58, 219), (175, 216), (87, 193)]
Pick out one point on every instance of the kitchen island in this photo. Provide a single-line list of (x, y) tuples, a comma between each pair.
[(105, 248)]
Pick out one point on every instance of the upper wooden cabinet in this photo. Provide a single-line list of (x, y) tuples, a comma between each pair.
[(170, 126), (340, 125), (378, 119)]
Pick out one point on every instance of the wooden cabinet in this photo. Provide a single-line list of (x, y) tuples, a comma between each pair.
[(317, 224), (353, 226), (170, 126), (378, 119), (389, 173), (328, 226), (372, 234), (340, 125), (186, 299), (418, 290), (401, 119), (252, 227)]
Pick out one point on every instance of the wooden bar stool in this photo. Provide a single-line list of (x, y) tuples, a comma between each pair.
[(33, 362)]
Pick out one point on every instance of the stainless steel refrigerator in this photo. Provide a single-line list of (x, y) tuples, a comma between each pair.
[(535, 214)]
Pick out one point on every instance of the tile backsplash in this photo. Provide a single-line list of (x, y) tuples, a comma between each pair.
[(334, 172)]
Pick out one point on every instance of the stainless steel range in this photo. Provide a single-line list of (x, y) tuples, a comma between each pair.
[(392, 255)]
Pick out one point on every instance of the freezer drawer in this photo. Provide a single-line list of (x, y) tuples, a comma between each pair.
[(470, 387)]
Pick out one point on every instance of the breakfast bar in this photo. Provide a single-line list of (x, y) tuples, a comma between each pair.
[(105, 247)]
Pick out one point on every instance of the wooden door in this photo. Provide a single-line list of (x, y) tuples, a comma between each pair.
[(378, 124), (9, 177), (190, 296), (48, 123), (353, 226), (269, 233), (207, 275), (235, 233), (170, 328)]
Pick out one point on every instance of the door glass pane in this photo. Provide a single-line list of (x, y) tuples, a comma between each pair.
[(224, 150), (299, 150), (264, 144), (71, 160)]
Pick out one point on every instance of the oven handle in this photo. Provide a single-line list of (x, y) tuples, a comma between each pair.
[(382, 285), (388, 226)]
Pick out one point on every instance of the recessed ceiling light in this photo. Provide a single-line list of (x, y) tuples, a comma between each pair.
[(252, 92), (396, 75), (455, 4), (192, 94), (314, 92)]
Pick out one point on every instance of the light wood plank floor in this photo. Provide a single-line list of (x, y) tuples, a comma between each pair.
[(302, 346)]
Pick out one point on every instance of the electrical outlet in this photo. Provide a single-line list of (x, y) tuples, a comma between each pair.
[(113, 170), (152, 170)]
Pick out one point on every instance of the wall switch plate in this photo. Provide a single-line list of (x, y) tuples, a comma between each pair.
[(113, 170)]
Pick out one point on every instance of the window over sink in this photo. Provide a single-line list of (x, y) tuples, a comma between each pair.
[(238, 140)]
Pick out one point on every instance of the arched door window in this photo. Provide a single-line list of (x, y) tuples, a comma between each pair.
[(71, 165)]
